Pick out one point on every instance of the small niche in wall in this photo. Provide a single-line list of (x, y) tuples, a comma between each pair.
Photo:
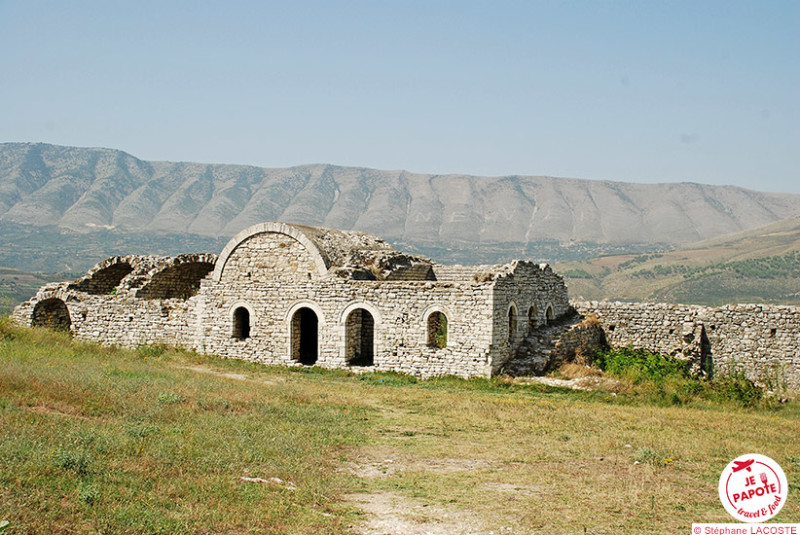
[(672, 331), (612, 327), (773, 332), (241, 323)]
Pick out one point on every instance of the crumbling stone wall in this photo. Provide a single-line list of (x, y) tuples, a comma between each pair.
[(114, 313), (523, 297), (760, 341), (362, 299), (180, 279)]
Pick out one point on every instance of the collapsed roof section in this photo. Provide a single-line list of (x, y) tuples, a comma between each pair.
[(150, 277), (340, 253)]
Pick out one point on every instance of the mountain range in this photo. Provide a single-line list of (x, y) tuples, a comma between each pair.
[(83, 190)]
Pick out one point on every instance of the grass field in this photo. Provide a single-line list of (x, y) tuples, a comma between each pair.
[(103, 440)]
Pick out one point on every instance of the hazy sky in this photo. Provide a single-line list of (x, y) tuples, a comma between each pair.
[(641, 91)]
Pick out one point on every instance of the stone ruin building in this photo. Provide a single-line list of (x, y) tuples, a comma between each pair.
[(296, 295), (300, 296)]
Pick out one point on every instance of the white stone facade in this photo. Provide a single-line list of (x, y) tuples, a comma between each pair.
[(293, 295), (760, 341)]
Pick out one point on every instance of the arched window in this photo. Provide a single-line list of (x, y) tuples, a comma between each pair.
[(512, 323), (241, 323), (52, 313), (437, 330), (548, 314), (305, 336), (359, 338), (532, 312)]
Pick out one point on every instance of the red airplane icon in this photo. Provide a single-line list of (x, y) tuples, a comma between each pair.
[(742, 465)]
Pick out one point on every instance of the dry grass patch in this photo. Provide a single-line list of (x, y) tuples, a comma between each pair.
[(162, 448)]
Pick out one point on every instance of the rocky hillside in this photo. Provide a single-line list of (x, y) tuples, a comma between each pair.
[(81, 190), (755, 266)]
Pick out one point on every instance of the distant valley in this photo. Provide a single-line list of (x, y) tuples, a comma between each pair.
[(756, 266), (62, 209)]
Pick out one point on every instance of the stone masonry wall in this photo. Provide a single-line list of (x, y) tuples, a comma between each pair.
[(760, 341), (121, 320), (531, 290), (269, 256), (399, 309)]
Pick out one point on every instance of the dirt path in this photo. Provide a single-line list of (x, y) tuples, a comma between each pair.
[(393, 513)]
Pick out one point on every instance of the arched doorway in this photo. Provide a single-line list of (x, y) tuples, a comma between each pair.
[(549, 316), (359, 338), (305, 336), (52, 313)]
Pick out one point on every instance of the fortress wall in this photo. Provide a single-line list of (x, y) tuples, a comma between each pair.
[(130, 322), (530, 290), (400, 312), (120, 319), (761, 341)]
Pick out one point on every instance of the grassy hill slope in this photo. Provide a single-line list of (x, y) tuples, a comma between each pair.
[(105, 440), (761, 265)]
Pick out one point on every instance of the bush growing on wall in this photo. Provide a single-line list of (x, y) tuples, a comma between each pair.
[(666, 380)]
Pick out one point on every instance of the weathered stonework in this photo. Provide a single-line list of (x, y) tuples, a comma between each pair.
[(294, 295), (760, 341)]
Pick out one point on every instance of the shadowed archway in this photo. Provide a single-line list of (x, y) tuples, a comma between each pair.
[(305, 336), (52, 313)]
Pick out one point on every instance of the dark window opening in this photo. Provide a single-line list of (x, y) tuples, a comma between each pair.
[(548, 314), (437, 330), (532, 312), (53, 314), (305, 336), (359, 338), (241, 323), (512, 324), (773, 333)]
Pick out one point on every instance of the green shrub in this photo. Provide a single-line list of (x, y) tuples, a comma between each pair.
[(647, 456), (88, 495), (74, 461), (664, 380), (640, 364), (6, 328), (736, 388)]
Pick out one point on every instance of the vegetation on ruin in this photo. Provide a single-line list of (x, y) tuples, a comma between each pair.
[(662, 379), (155, 440)]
